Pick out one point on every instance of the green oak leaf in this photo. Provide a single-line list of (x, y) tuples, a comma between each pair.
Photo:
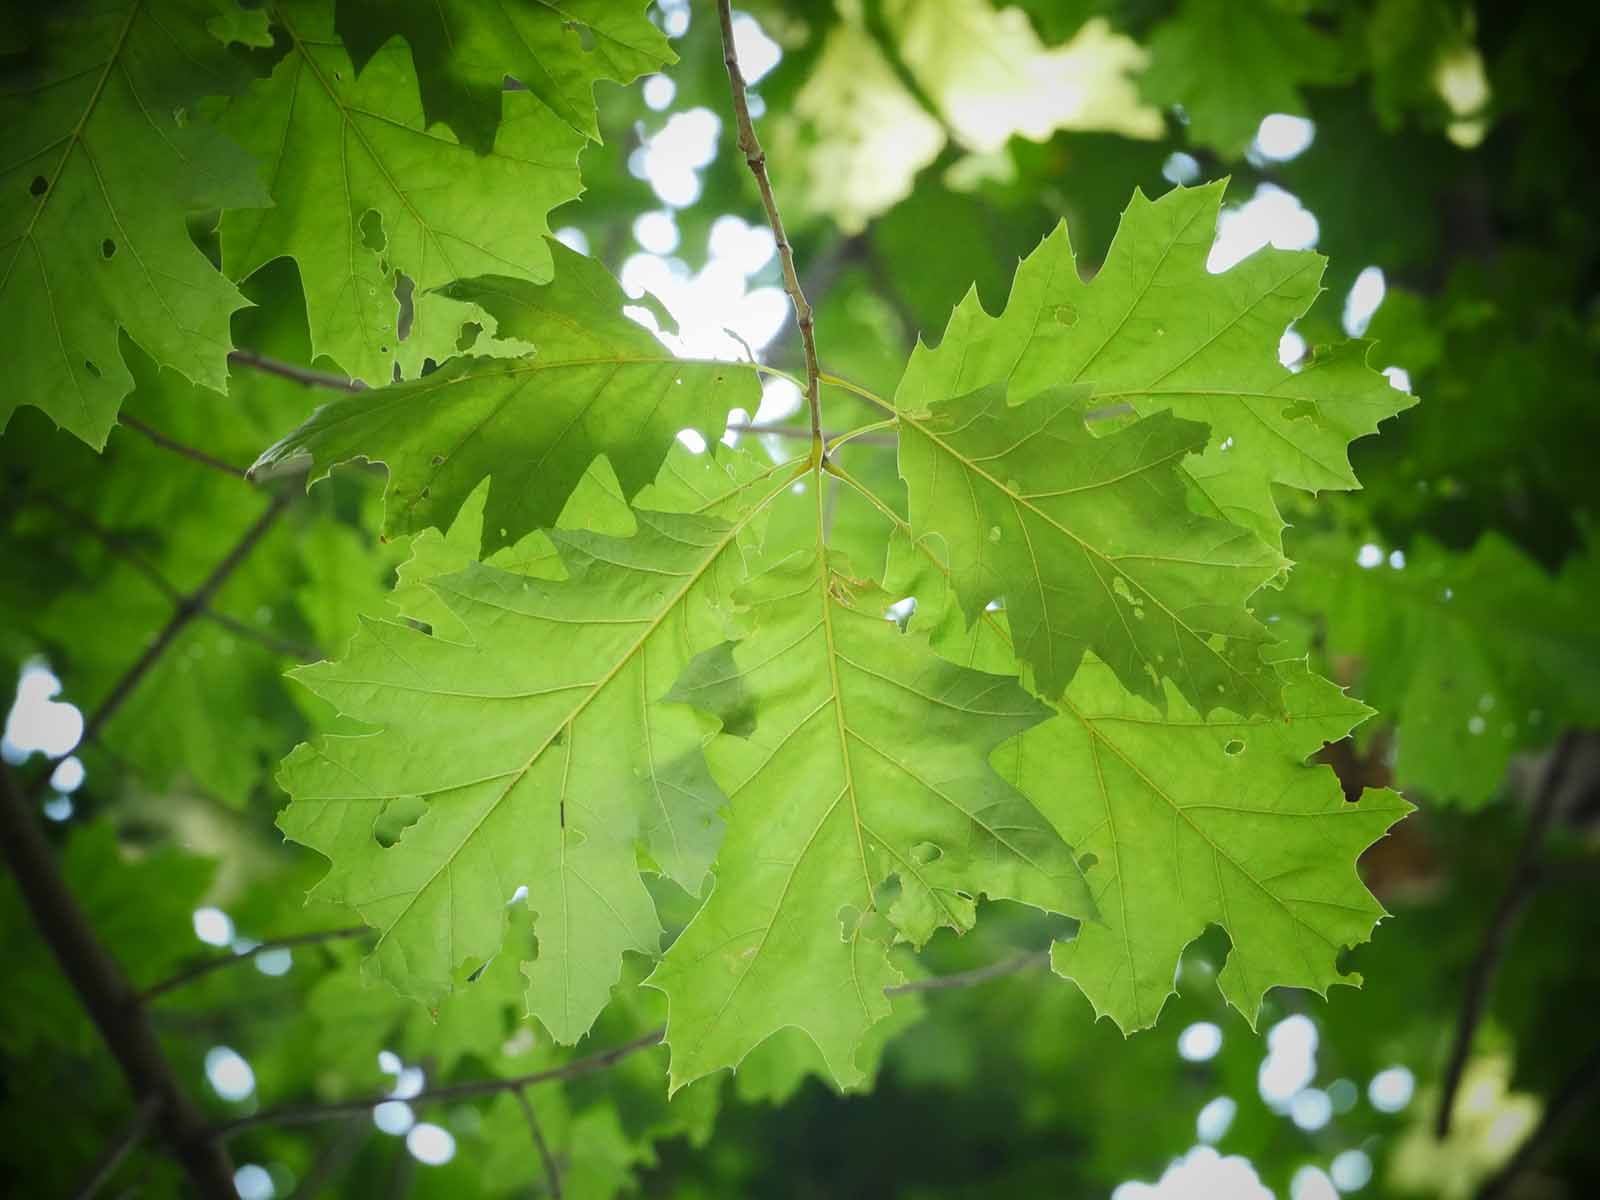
[(1195, 822), (370, 198), (539, 753), (1476, 655), (1190, 821), (103, 163), (1229, 65), (465, 50), (1091, 543), (868, 762), (1155, 330), (919, 567), (598, 383), (1153, 334), (1293, 431)]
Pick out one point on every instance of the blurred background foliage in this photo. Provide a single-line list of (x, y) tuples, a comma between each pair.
[(1440, 153)]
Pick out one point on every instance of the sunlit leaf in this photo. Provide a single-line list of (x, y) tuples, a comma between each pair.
[(103, 164), (866, 763), (536, 752), (1194, 822), (374, 204)]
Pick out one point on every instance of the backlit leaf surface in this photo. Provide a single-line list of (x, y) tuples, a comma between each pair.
[(1195, 822), (537, 754), (1141, 540), (369, 197), (867, 761), (102, 166), (1091, 543)]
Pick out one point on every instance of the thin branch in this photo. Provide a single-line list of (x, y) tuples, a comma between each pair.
[(107, 995), (1572, 1098), (190, 607), (1519, 891), (756, 159), (822, 273), (112, 1157), (304, 376), (552, 1172), (457, 1091), (200, 969), (177, 447), (119, 546), (963, 979)]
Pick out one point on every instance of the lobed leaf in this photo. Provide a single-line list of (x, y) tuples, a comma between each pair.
[(1185, 821), (1156, 330), (104, 161), (867, 763), (537, 752), (374, 203), (1195, 822), (1091, 543), (996, 414)]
